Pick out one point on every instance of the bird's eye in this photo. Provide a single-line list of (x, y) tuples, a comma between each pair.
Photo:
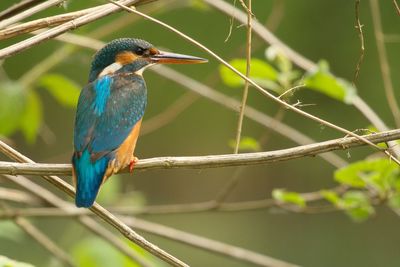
[(140, 51)]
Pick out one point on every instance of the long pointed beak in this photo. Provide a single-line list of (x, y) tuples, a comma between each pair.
[(172, 58)]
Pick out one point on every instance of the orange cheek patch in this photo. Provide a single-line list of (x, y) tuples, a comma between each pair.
[(125, 57), (153, 51)]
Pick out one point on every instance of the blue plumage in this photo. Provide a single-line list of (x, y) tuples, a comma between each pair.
[(87, 188), (109, 112), (108, 109), (102, 88)]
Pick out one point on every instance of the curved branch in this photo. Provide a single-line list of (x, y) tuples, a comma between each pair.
[(212, 161)]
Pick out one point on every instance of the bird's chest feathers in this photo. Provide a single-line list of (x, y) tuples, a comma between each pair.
[(113, 93)]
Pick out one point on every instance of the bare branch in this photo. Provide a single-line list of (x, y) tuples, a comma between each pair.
[(29, 12), (297, 59), (14, 195), (73, 24), (99, 211), (212, 161), (396, 6), (18, 7), (205, 243), (44, 22), (384, 64), (86, 221), (42, 239), (258, 87), (361, 36), (246, 83)]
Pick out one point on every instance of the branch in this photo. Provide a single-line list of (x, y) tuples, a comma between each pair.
[(189, 83), (86, 221), (205, 243), (73, 24), (383, 60), (258, 87), (98, 210), (212, 161), (242, 106), (52, 21), (299, 60), (29, 12), (18, 7)]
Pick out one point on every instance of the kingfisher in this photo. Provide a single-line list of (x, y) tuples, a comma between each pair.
[(110, 111)]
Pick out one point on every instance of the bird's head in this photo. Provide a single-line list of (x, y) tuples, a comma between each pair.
[(132, 55)]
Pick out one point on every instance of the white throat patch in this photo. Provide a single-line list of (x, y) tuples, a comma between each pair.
[(110, 69)]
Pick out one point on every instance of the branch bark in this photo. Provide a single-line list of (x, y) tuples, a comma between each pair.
[(212, 161)]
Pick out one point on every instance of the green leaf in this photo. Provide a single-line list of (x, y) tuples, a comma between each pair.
[(275, 55), (381, 174), (7, 262), (394, 201), (289, 197), (246, 144), (321, 80), (357, 205), (32, 117), (65, 91), (330, 196), (13, 98), (261, 72)]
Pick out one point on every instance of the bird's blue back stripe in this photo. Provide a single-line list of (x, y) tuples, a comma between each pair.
[(102, 89)]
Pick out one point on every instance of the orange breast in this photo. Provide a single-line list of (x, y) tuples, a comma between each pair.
[(124, 154)]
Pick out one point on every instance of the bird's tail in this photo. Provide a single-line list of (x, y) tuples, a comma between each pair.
[(88, 177)]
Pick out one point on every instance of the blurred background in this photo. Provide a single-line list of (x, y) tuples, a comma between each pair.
[(318, 30)]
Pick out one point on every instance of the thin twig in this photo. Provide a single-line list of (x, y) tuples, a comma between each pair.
[(29, 12), (205, 243), (384, 64), (18, 7), (396, 6), (246, 83), (297, 59), (361, 36), (44, 22), (86, 221), (260, 89), (18, 196), (41, 238), (25, 44), (99, 211), (189, 83), (202, 162)]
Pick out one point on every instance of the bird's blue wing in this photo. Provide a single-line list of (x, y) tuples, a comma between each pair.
[(108, 109)]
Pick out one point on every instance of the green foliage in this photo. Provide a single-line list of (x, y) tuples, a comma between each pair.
[(289, 197), (261, 72), (21, 108), (376, 179), (379, 174), (10, 231), (6, 262), (13, 98), (32, 117), (355, 203), (246, 144), (321, 80), (93, 252), (65, 91)]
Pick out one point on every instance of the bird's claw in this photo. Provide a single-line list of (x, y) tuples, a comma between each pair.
[(132, 164)]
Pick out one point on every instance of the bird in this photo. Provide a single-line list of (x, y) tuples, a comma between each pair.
[(110, 110)]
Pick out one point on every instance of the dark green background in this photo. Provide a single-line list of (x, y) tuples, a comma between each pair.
[(316, 29)]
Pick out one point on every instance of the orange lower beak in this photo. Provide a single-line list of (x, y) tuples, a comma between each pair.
[(172, 58)]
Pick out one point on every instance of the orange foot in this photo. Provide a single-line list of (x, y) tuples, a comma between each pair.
[(132, 163)]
